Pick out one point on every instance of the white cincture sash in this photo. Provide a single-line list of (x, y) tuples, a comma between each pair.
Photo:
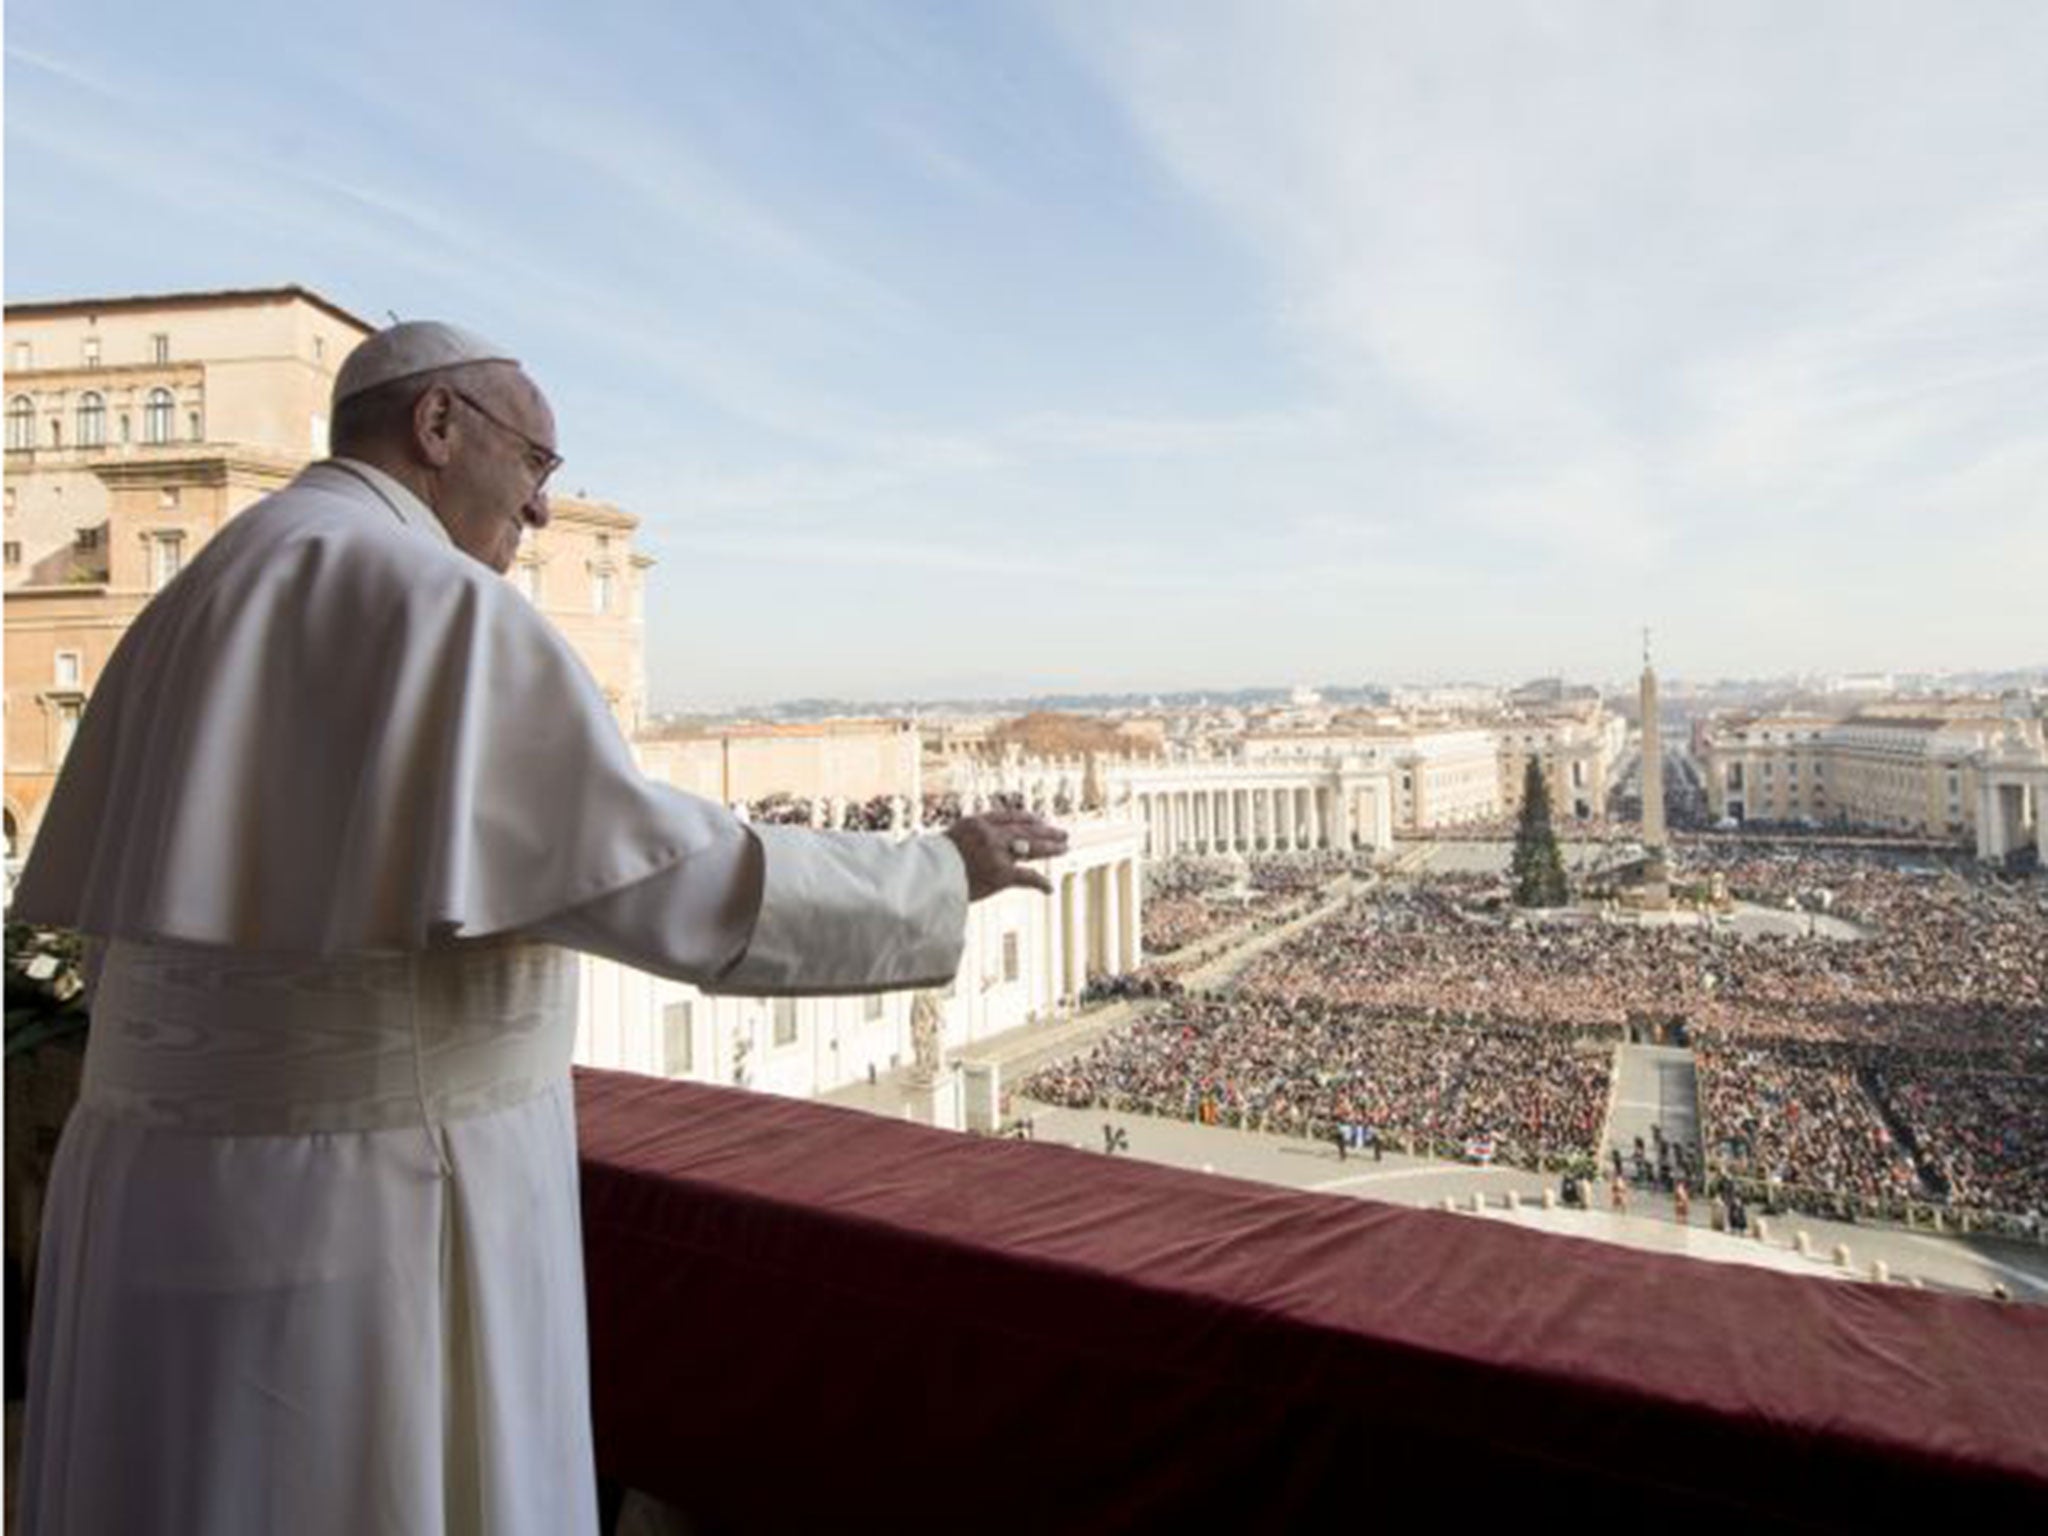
[(220, 1042)]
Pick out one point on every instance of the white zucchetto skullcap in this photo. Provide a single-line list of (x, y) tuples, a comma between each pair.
[(409, 348)]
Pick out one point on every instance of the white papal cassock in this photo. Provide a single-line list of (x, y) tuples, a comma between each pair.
[(341, 810)]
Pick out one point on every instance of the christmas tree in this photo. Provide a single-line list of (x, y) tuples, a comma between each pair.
[(1538, 866)]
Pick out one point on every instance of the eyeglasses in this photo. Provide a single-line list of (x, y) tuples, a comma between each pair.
[(541, 460)]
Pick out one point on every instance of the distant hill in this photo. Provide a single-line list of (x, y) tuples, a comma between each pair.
[(1059, 703)]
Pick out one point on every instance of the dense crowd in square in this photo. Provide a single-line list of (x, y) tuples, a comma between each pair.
[(1192, 900), (1310, 1069), (1908, 1065), (1911, 1065)]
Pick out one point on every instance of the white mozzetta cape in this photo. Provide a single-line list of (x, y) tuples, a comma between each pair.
[(457, 774)]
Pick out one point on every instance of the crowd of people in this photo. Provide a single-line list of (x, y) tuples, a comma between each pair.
[(1909, 1062), (1147, 981), (1174, 923), (878, 813), (1794, 1114), (1307, 869), (1191, 900), (881, 813), (1419, 952), (1535, 1096), (1980, 1124), (1183, 904), (1502, 828)]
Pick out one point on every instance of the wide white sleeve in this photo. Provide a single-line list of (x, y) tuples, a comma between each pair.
[(689, 922), (787, 911)]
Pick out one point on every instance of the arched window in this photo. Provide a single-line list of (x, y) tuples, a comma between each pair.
[(21, 422), (92, 420), (156, 417)]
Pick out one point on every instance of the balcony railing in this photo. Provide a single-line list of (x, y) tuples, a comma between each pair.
[(805, 1318)]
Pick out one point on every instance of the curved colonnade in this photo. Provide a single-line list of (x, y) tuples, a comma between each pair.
[(1212, 806)]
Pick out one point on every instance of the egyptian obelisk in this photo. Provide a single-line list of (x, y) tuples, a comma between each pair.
[(1656, 886)]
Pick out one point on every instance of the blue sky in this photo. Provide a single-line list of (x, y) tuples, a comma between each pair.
[(949, 348)]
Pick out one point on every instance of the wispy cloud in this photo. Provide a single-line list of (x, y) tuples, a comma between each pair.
[(1247, 335), (1638, 275)]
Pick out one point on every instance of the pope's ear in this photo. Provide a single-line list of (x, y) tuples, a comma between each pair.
[(433, 417)]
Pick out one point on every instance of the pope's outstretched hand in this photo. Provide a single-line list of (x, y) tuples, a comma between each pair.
[(995, 846)]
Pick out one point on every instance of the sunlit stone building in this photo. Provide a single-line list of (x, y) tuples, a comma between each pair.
[(1911, 767), (1439, 776), (839, 761), (2012, 795), (1029, 958), (137, 426), (1577, 748)]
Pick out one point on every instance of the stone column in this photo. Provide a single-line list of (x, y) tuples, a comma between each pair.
[(1077, 957), (1055, 958), (1070, 935), (1990, 819), (1113, 910), (1130, 898), (1287, 817)]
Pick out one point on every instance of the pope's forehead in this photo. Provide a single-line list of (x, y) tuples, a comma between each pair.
[(530, 394)]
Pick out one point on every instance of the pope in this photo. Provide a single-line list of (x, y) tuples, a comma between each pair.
[(340, 814)]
